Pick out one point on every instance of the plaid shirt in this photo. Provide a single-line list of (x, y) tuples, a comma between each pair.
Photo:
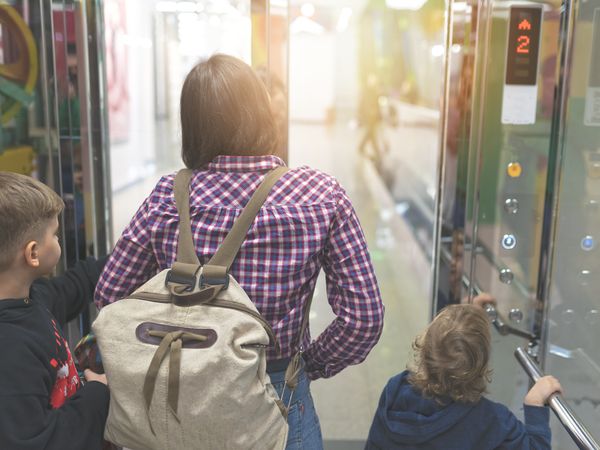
[(307, 223)]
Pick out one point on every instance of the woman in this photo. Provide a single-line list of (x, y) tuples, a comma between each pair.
[(229, 139)]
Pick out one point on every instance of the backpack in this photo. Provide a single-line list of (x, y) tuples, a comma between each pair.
[(184, 354)]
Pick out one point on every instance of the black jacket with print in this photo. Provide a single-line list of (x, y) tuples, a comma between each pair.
[(42, 402)]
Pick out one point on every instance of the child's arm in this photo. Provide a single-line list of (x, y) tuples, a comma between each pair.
[(27, 421), (541, 391), (535, 433), (67, 295)]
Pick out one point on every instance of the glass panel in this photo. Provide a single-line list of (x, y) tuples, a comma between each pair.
[(452, 202), (401, 56), (365, 86), (45, 125), (70, 87), (508, 169), (27, 139), (573, 326)]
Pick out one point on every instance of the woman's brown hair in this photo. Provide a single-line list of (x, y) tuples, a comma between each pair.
[(225, 110), (451, 357)]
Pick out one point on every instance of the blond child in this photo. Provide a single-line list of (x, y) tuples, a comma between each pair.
[(438, 403), (42, 401)]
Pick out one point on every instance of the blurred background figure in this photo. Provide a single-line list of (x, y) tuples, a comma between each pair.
[(369, 116), (279, 106)]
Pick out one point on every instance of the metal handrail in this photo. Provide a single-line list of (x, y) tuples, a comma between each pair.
[(578, 432)]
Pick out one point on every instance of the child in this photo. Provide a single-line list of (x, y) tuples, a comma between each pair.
[(438, 403), (42, 401)]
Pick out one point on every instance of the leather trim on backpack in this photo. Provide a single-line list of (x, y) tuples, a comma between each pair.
[(143, 335)]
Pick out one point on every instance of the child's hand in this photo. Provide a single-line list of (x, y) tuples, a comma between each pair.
[(481, 300), (542, 390), (484, 299), (93, 376)]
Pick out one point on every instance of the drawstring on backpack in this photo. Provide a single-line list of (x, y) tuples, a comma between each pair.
[(172, 343)]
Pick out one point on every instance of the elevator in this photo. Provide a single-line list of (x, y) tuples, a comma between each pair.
[(518, 211)]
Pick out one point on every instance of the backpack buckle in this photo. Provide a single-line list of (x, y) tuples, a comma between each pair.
[(213, 275), (214, 280), (188, 281)]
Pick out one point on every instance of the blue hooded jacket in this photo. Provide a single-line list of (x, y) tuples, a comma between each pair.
[(406, 420)]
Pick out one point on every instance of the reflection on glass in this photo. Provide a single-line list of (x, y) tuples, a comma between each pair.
[(18, 78), (400, 74), (65, 19), (453, 254), (572, 352)]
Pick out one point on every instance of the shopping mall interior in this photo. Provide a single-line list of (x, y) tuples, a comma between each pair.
[(465, 182)]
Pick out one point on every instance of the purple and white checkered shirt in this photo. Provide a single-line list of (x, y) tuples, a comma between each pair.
[(307, 223)]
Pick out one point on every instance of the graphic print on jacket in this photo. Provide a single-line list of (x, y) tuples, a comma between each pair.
[(67, 379)]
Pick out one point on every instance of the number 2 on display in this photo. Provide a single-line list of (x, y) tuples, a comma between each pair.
[(523, 46)]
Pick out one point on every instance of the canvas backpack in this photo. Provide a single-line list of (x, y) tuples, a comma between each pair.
[(184, 354)]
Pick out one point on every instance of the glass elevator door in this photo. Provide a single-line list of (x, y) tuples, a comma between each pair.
[(519, 206)]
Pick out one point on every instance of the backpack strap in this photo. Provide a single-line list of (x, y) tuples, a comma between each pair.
[(230, 246), (214, 276), (186, 252)]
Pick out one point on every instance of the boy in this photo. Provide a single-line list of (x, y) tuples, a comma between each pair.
[(438, 402), (42, 401)]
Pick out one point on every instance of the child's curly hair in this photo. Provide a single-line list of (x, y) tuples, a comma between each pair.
[(451, 357)]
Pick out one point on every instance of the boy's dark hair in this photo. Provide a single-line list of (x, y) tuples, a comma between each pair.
[(225, 110), (451, 357), (26, 206)]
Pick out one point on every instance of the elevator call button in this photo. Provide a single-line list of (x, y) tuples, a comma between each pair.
[(587, 243), (511, 205), (509, 241), (514, 169), (506, 276)]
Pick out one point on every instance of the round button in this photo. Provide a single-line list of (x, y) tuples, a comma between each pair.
[(515, 315), (584, 276), (514, 169), (511, 205), (587, 243), (506, 276), (592, 317), (509, 241)]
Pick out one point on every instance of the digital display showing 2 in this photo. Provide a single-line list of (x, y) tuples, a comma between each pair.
[(523, 45)]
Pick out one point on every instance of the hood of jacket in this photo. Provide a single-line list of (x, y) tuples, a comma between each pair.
[(404, 416)]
